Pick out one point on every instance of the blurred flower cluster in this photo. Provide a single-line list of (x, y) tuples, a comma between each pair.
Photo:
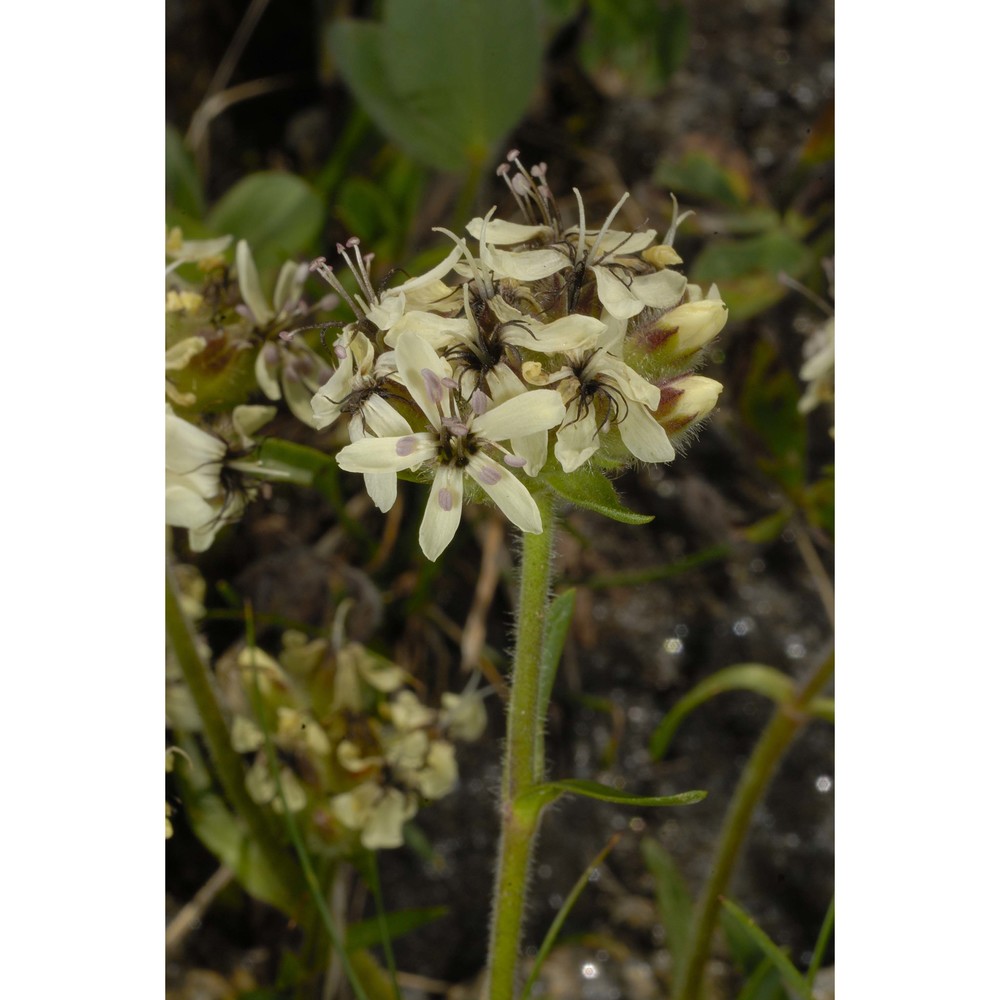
[(357, 749)]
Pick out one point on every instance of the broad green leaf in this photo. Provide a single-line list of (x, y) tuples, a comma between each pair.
[(543, 794), (219, 830), (754, 677), (445, 80), (792, 977), (747, 270), (183, 184), (672, 898), (591, 489), (367, 934), (560, 918), (278, 214), (701, 174), (557, 623)]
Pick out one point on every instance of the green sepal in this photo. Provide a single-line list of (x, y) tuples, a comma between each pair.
[(756, 677), (591, 490)]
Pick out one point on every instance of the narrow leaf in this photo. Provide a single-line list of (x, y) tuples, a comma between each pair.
[(564, 911), (298, 463), (366, 933), (672, 898), (591, 490), (558, 621), (792, 977), (754, 677), (540, 795), (820, 949), (183, 184), (821, 708)]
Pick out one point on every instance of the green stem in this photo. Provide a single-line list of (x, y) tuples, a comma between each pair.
[(522, 766), (787, 720), (228, 765)]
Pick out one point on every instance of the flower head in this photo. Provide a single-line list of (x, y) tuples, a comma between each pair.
[(463, 438)]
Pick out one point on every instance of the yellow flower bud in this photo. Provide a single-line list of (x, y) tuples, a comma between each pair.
[(686, 401), (661, 256)]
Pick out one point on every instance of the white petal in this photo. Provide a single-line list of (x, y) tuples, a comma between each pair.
[(386, 454), (662, 290), (577, 439), (615, 295), (619, 243), (533, 411), (326, 403), (629, 381), (444, 511), (384, 828), (288, 289), (507, 233), (507, 492), (524, 265), (568, 333), (186, 509), (382, 419), (644, 437), (266, 372), (438, 331), (433, 274), (178, 356), (381, 488), (249, 418), (249, 282), (413, 355)]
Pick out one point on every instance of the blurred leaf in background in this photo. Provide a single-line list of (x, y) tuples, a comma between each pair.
[(446, 81)]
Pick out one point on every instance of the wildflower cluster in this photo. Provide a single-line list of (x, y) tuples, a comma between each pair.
[(554, 347), (357, 749)]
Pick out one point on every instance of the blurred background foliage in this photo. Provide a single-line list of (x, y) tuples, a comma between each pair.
[(294, 125)]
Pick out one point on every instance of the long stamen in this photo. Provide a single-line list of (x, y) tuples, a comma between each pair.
[(605, 228), (581, 245), (484, 292), (675, 222), (320, 267), (503, 171)]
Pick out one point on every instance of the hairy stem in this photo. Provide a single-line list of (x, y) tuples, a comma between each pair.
[(785, 724), (519, 822)]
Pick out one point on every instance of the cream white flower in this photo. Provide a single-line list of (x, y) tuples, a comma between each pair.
[(600, 392), (359, 387), (383, 308), (195, 496), (457, 444), (378, 812)]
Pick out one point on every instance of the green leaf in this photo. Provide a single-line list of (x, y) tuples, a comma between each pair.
[(702, 175), (747, 270), (543, 794), (591, 490), (558, 621), (183, 184), (278, 214), (763, 984), (367, 934), (672, 898), (792, 977), (219, 830), (564, 911), (769, 406), (445, 80), (821, 708), (820, 948), (296, 463), (754, 677)]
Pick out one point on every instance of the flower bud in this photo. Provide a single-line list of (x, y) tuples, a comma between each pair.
[(673, 339), (685, 402), (661, 256)]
